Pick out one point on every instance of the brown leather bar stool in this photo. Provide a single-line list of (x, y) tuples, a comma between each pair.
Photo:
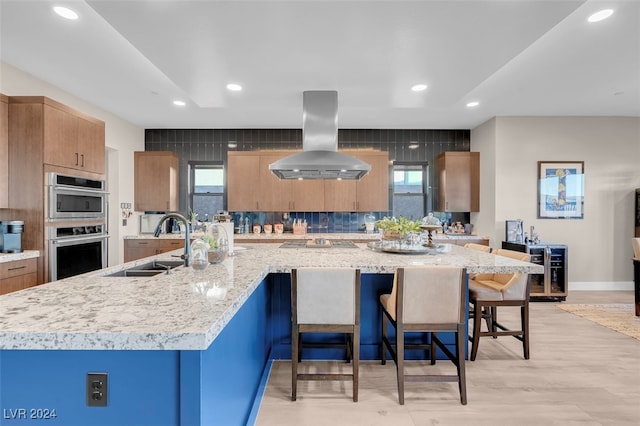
[(325, 300), (487, 292), (426, 299)]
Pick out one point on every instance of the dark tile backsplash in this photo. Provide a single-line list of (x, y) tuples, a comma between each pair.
[(211, 145)]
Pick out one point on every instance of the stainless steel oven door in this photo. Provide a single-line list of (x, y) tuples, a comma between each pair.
[(75, 203), (69, 256)]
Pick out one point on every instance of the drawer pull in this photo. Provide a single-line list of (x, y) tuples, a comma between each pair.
[(16, 268)]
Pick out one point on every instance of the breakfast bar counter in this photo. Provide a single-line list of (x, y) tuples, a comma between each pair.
[(189, 347), (186, 309)]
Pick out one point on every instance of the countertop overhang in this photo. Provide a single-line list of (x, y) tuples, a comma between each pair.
[(26, 254), (186, 309)]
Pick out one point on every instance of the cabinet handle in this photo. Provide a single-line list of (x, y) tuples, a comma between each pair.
[(82, 157), (167, 205), (143, 242), (16, 268), (77, 158)]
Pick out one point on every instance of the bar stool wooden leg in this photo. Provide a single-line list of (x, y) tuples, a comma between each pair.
[(400, 363), (295, 351), (524, 314), (462, 379), (385, 333), (477, 322)]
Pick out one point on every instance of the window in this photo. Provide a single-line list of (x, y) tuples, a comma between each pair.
[(206, 188), (409, 190)]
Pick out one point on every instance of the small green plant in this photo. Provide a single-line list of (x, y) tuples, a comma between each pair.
[(213, 243), (400, 226)]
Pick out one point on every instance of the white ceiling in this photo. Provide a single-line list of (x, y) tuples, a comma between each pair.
[(134, 57)]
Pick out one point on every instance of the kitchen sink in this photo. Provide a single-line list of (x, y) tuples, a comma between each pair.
[(148, 269), (134, 273), (157, 265)]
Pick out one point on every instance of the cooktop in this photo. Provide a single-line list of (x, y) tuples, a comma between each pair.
[(318, 243)]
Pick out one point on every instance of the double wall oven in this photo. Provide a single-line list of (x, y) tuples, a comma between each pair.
[(77, 237)]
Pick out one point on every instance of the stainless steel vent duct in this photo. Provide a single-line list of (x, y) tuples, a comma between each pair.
[(319, 158)]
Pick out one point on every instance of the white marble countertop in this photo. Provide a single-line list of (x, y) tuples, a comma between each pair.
[(187, 309), (26, 254)]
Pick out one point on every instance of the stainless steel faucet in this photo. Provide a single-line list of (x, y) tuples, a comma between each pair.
[(187, 239)]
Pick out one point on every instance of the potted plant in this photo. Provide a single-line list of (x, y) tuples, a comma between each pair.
[(397, 228), (218, 248)]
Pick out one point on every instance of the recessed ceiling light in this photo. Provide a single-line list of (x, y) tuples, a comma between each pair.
[(413, 146), (65, 12), (234, 87), (419, 87), (601, 15), (179, 103), (473, 104)]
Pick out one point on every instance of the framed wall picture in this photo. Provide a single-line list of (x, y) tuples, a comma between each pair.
[(560, 189)]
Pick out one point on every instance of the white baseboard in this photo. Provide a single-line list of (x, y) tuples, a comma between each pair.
[(600, 285)]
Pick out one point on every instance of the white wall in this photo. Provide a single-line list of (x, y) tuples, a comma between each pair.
[(121, 139), (600, 244)]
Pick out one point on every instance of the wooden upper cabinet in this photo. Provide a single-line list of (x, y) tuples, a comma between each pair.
[(252, 187), (275, 193), (91, 145), (60, 138), (69, 138), (307, 196), (459, 181), (243, 175), (372, 191), (4, 152), (156, 181), (340, 195)]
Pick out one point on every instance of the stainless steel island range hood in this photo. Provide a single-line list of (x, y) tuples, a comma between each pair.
[(319, 158)]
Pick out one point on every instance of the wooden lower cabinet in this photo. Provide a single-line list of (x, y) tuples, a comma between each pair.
[(139, 248), (18, 275)]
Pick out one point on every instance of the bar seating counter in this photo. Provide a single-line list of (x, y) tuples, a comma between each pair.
[(189, 347)]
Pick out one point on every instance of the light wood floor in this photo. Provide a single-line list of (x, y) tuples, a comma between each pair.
[(580, 373)]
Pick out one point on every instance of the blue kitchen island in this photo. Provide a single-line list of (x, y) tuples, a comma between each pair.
[(186, 348)]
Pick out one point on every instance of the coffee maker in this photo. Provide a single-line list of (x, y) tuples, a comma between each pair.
[(11, 236)]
